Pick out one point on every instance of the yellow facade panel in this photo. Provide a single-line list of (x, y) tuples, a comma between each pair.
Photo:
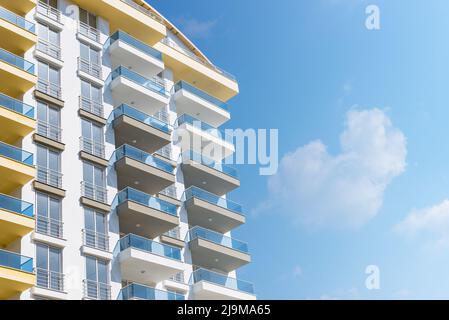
[(14, 174), (13, 226), (14, 38), (14, 125), (14, 81), (13, 282), (21, 7)]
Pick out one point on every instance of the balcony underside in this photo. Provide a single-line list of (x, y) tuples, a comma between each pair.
[(214, 181), (144, 221), (14, 82), (15, 39), (13, 226), (137, 96), (14, 174), (187, 102), (13, 282), (147, 268), (204, 290), (210, 255), (134, 59), (14, 126), (124, 17), (146, 178), (139, 135), (191, 71), (204, 214), (19, 6)]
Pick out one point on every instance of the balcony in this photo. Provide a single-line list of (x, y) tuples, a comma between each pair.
[(144, 131), (216, 251), (136, 55), (90, 71), (206, 108), (210, 211), (93, 151), (136, 291), (128, 16), (215, 177), (189, 67), (94, 196), (16, 274), (89, 35), (209, 285), (146, 261), (196, 136), (172, 237), (16, 168), (18, 34), (141, 170), (91, 109), (49, 134), (93, 290), (16, 74), (49, 227), (20, 7), (144, 215), (96, 244), (16, 119), (51, 89), (48, 52), (16, 219), (49, 15), (49, 284), (146, 94)]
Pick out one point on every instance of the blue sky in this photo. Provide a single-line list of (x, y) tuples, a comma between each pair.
[(370, 108)]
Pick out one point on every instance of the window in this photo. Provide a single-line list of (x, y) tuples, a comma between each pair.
[(92, 138), (97, 279), (88, 18), (48, 166), (49, 79), (49, 267), (51, 3), (95, 225), (48, 215), (48, 121), (94, 182), (89, 61), (48, 41), (91, 98)]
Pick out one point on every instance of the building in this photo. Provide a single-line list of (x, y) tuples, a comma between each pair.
[(98, 200)]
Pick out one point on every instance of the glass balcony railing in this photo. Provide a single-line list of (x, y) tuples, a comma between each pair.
[(216, 237), (123, 36), (141, 156), (201, 94), (15, 261), (155, 84), (16, 154), (218, 133), (130, 194), (199, 158), (17, 20), (16, 61), (147, 245), (141, 292), (16, 106), (221, 280), (195, 192), (16, 205), (124, 109)]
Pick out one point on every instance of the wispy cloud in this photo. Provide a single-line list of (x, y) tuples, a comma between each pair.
[(430, 224), (318, 189), (195, 28)]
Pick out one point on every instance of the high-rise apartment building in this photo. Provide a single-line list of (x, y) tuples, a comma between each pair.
[(98, 198)]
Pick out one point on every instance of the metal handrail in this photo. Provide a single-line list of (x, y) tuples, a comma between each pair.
[(170, 191), (174, 233), (89, 31), (93, 147), (48, 11), (49, 279), (221, 280), (143, 10), (90, 67), (165, 151), (49, 226), (49, 88), (95, 240), (179, 277), (96, 290), (91, 191), (49, 176), (91, 106), (49, 130), (49, 48)]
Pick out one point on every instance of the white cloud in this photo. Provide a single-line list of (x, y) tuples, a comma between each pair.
[(431, 222), (319, 189), (194, 28)]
